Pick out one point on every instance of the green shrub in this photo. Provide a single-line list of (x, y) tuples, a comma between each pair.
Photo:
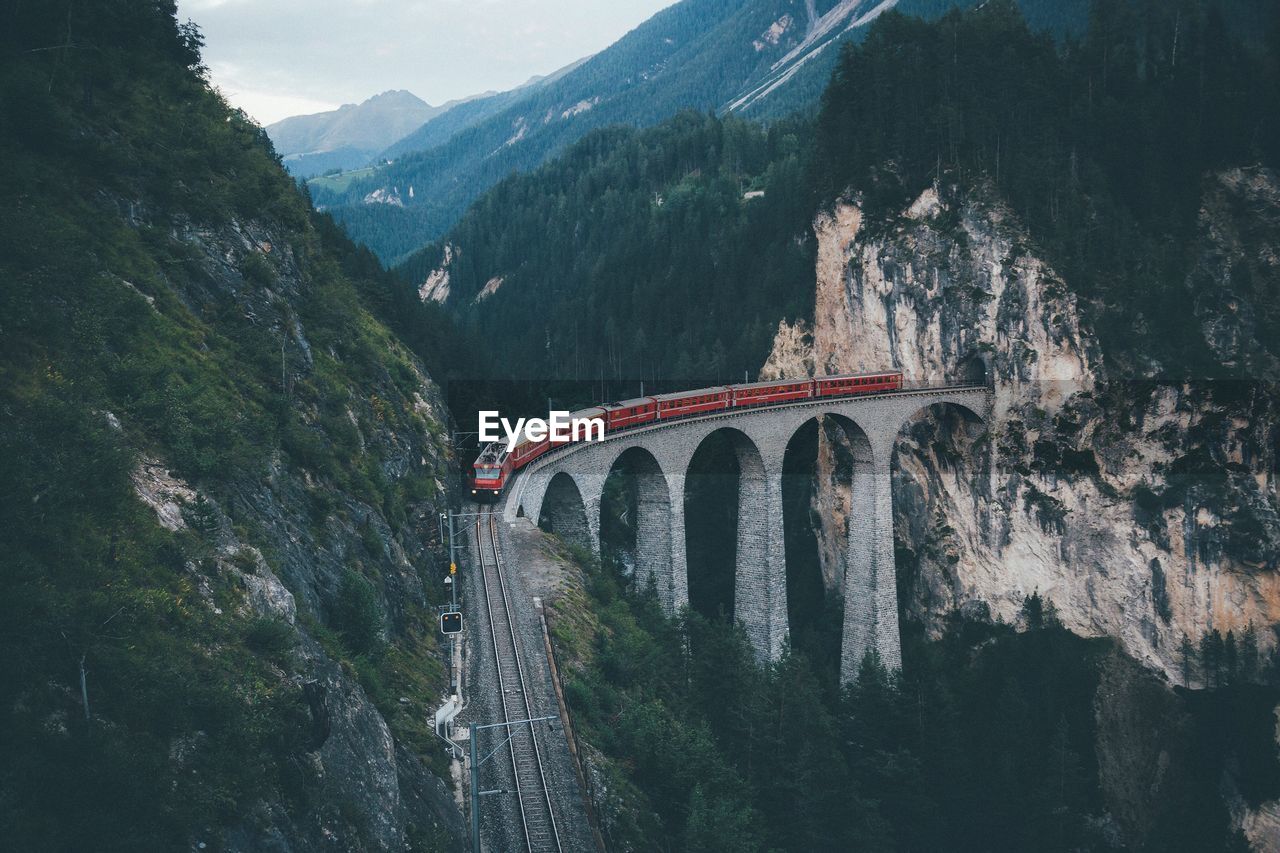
[(270, 636), (357, 614)]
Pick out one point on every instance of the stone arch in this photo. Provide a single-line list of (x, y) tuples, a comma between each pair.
[(646, 493), (946, 429), (934, 444), (564, 513), (759, 590), (939, 406), (828, 469)]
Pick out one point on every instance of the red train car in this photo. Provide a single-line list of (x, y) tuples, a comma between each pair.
[(865, 383), (592, 413), (685, 403), (765, 393), (495, 466), (629, 413), (490, 472), (527, 451)]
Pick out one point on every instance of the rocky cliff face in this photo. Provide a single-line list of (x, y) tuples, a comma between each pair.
[(1144, 511), (288, 540)]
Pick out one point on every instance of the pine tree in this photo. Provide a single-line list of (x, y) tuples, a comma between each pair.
[(716, 824), (1230, 660), (1249, 654), (1033, 611), (201, 515), (1187, 650), (1211, 658)]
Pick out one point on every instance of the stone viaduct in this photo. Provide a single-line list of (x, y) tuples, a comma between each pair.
[(564, 490)]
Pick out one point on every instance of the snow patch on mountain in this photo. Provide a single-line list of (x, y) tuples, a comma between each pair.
[(774, 33), (823, 30), (522, 127), (490, 287), (436, 286), (580, 107), (385, 195)]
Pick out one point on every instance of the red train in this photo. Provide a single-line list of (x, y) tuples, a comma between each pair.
[(495, 466)]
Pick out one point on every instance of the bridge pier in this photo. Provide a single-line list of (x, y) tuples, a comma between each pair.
[(592, 486), (760, 576), (653, 535), (679, 565), (870, 586)]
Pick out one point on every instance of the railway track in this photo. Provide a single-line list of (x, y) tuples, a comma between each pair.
[(537, 817)]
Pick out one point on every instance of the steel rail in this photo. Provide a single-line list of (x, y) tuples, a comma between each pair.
[(537, 817)]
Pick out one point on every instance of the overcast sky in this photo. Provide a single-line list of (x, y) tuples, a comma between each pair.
[(277, 58)]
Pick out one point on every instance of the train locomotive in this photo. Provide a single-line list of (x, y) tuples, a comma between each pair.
[(495, 466)]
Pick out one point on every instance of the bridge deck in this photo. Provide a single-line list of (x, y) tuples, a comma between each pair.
[(513, 499)]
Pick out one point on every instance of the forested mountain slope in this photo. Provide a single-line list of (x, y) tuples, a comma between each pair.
[(699, 232), (220, 475), (665, 253), (760, 58)]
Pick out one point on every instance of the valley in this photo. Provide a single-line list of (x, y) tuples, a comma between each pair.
[(1024, 596)]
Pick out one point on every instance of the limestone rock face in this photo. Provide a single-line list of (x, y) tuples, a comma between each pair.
[(1144, 511)]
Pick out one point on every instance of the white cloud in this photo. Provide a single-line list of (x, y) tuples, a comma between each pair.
[(275, 58), (267, 107)]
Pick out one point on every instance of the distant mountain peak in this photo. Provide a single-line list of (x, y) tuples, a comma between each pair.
[(350, 136), (398, 95)]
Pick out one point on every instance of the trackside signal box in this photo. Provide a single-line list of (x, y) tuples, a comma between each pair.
[(451, 622)]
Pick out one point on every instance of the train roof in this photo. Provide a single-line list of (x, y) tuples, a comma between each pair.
[(492, 454), (860, 375), (697, 392), (627, 404), (747, 386)]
